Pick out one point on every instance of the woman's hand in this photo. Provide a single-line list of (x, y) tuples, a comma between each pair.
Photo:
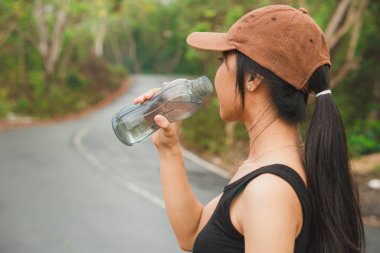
[(167, 136)]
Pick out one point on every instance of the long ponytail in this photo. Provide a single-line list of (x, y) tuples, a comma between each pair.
[(338, 226)]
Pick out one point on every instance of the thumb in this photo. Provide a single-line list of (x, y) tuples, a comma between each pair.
[(162, 122)]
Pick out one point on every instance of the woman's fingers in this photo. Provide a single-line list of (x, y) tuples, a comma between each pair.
[(146, 96)]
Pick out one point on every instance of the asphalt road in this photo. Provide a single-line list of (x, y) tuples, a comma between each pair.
[(73, 187)]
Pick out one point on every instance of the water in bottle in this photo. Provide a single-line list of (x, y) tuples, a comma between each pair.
[(177, 100)]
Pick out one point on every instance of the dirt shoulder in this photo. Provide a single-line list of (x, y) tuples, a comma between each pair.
[(367, 168)]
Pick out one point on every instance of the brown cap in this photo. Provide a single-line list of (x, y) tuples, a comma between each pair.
[(280, 38)]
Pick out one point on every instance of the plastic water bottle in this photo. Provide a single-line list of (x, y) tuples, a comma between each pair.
[(177, 100)]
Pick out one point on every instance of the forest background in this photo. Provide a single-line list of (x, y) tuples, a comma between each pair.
[(61, 56)]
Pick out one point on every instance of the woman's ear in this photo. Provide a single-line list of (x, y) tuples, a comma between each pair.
[(254, 82)]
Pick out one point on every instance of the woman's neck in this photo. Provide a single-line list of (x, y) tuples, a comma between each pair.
[(272, 135)]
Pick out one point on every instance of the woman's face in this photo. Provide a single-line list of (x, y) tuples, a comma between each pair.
[(225, 87)]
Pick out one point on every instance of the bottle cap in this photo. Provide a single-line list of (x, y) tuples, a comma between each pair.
[(203, 86)]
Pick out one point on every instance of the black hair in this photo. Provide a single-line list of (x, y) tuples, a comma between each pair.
[(337, 224)]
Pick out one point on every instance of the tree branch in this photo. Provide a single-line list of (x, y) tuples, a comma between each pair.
[(4, 35), (350, 61), (343, 71), (354, 14), (302, 3), (343, 29), (336, 19)]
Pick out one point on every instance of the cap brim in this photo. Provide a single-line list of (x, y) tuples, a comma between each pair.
[(209, 41)]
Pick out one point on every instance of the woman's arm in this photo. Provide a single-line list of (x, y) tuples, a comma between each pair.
[(270, 215), (183, 208)]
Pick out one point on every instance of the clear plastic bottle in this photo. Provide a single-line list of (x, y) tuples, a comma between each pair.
[(177, 100)]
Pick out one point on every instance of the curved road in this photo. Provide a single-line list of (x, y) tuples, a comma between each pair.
[(73, 187)]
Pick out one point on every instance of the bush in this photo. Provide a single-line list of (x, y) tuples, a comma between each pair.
[(74, 81), (5, 104), (86, 83), (204, 131), (364, 137)]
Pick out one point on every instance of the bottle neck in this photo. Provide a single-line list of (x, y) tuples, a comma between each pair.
[(202, 87)]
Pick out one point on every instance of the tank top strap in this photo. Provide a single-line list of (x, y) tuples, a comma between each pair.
[(281, 170)]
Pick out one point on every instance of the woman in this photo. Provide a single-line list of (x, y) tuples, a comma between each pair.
[(283, 198)]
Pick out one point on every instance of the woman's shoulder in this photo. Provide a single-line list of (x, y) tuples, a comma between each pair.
[(266, 195), (269, 208), (275, 184)]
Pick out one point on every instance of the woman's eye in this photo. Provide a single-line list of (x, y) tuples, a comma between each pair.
[(221, 59)]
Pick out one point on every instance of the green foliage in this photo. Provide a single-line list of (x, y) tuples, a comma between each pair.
[(356, 94), (364, 137), (205, 130), (90, 82), (74, 81), (26, 87), (22, 104), (36, 81), (5, 105)]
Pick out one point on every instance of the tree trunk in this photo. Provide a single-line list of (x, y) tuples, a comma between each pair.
[(65, 59), (132, 52), (100, 30), (41, 30), (49, 48), (56, 41), (23, 69), (116, 51)]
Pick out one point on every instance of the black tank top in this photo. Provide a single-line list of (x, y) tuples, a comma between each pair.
[(219, 234)]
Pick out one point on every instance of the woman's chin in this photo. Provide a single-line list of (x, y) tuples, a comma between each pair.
[(227, 116)]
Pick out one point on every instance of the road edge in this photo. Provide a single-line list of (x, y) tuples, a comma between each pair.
[(205, 164)]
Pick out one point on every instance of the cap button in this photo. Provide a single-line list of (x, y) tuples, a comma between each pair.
[(303, 10)]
